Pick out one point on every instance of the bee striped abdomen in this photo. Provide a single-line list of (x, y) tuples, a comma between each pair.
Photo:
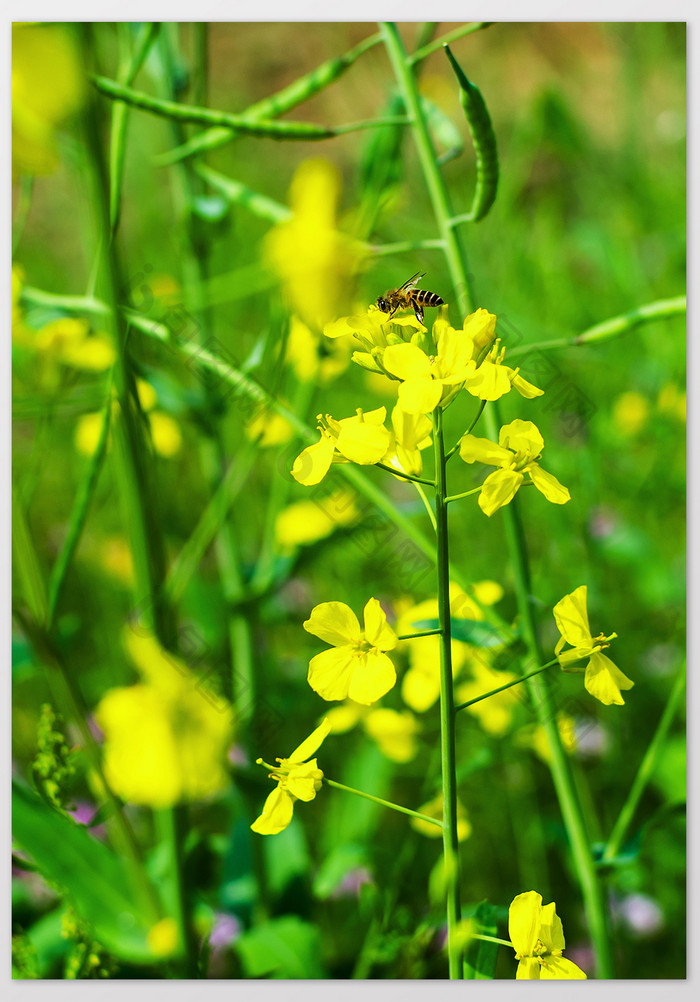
[(424, 298)]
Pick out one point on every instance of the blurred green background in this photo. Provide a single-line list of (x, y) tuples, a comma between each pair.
[(589, 223)]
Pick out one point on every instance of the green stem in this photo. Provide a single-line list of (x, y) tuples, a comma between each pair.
[(428, 508), (645, 770), (406, 247), (172, 825), (384, 803), (464, 494), (501, 688), (492, 939), (404, 476), (607, 329), (543, 702), (431, 171), (450, 841), (424, 633), (451, 36)]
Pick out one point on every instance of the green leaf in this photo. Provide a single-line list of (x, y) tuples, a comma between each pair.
[(282, 948), (336, 865), (481, 956), (470, 631), (96, 880)]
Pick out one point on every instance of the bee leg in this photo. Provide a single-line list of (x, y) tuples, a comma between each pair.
[(419, 314)]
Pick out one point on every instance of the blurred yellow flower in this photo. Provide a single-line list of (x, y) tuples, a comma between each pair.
[(356, 664), (269, 429), (297, 779), (165, 431), (630, 413), (116, 559), (395, 732), (311, 358), (166, 435), (495, 714), (163, 937), (420, 687), (672, 401), (517, 453), (166, 739), (48, 85), (434, 809), (534, 736), (306, 522), (316, 263), (603, 679), (537, 936)]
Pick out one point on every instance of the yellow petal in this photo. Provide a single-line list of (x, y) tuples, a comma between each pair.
[(560, 969), (378, 633), (334, 622), (525, 389), (528, 969), (490, 382), (165, 433), (481, 327), (571, 617), (344, 718), (548, 485), (406, 361), (311, 465), (482, 450), (276, 814), (363, 443), (603, 679), (394, 732), (312, 743), (551, 931), (420, 395), (304, 781), (523, 437), (373, 675), (498, 489), (524, 922), (330, 672)]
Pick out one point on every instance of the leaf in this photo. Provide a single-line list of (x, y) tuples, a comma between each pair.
[(282, 948), (481, 956), (339, 862), (96, 879)]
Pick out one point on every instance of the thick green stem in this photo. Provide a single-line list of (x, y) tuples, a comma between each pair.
[(428, 159), (546, 710), (450, 842)]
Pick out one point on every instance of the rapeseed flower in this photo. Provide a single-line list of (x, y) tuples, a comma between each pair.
[(495, 713), (603, 679), (315, 261), (411, 433), (298, 778), (361, 439), (305, 522), (429, 380), (165, 431), (48, 85), (493, 379), (356, 664), (517, 453), (395, 732), (165, 740), (537, 936), (435, 809)]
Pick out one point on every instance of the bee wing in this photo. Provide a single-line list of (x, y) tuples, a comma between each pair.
[(413, 281)]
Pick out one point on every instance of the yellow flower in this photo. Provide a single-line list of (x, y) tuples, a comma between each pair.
[(166, 435), (356, 665), (603, 678), (537, 936), (361, 439), (493, 379), (166, 738), (48, 85), (434, 809), (671, 401), (316, 262), (412, 432), (630, 413), (421, 683), (306, 522), (495, 713), (303, 354), (163, 937), (534, 736), (269, 429), (375, 331), (297, 779), (429, 380), (165, 431), (395, 732), (519, 448)]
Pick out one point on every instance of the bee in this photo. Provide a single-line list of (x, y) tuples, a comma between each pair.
[(407, 297)]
